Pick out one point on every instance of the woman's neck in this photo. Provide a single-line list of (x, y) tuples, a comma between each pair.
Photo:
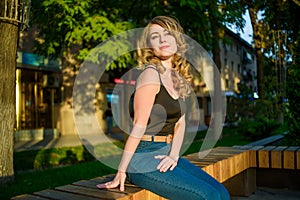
[(167, 64)]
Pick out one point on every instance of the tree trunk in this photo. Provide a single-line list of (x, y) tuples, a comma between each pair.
[(260, 73), (218, 106), (8, 48), (258, 46)]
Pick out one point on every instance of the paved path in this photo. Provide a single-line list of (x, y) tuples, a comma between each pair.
[(271, 194), (62, 141)]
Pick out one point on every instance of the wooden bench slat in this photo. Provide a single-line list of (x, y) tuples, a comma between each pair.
[(130, 188), (106, 178), (298, 158), (244, 147), (252, 158), (209, 169), (267, 140), (93, 192), (276, 157), (153, 196), (236, 166), (264, 156), (251, 154), (59, 195), (220, 164), (256, 148), (289, 158), (29, 197), (200, 164), (96, 181)]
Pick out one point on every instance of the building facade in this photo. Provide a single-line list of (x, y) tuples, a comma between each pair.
[(238, 66), (40, 92)]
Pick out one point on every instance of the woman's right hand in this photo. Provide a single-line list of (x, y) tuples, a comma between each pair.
[(118, 180)]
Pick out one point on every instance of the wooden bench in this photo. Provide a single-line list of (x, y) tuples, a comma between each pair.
[(268, 140), (235, 167), (276, 166)]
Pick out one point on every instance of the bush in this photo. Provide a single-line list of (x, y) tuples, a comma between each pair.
[(257, 129), (47, 158), (293, 96)]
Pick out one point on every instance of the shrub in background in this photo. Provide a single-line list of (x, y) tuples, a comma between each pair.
[(293, 95), (257, 129), (47, 158)]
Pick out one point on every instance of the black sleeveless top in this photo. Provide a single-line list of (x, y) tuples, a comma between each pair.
[(166, 111)]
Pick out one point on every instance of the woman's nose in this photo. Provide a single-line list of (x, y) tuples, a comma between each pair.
[(162, 39)]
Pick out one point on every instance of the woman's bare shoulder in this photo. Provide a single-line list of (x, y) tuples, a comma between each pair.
[(149, 75)]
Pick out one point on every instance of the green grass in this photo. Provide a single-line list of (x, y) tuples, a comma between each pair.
[(55, 157), (29, 182), (83, 165), (229, 137)]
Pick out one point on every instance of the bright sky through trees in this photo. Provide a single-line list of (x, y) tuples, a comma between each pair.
[(248, 33)]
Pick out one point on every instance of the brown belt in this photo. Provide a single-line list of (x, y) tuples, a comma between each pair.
[(158, 138)]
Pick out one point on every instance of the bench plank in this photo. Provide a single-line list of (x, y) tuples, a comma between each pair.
[(59, 195), (29, 197), (266, 141), (133, 191), (93, 192), (222, 162), (289, 158), (130, 188), (276, 157), (152, 196), (235, 165), (298, 158), (264, 156)]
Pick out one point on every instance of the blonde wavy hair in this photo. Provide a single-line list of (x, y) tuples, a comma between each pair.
[(181, 75)]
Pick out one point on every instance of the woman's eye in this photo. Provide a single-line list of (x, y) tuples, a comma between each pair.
[(154, 37), (168, 33)]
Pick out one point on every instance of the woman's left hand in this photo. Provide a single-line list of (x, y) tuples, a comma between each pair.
[(166, 163), (119, 180)]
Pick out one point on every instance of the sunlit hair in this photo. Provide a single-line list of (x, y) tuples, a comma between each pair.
[(181, 74)]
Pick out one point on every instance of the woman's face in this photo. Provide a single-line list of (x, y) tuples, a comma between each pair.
[(162, 42)]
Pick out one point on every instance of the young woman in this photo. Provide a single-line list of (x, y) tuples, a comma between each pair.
[(151, 156)]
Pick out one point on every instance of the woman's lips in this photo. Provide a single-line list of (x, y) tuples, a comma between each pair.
[(164, 47)]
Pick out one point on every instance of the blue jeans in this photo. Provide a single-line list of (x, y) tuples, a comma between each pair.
[(185, 182)]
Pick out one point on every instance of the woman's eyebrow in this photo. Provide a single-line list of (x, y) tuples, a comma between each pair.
[(155, 32)]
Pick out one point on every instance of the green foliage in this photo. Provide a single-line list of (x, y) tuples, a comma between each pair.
[(55, 157), (293, 94), (241, 105), (49, 158), (85, 24), (258, 129), (256, 118), (75, 27)]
